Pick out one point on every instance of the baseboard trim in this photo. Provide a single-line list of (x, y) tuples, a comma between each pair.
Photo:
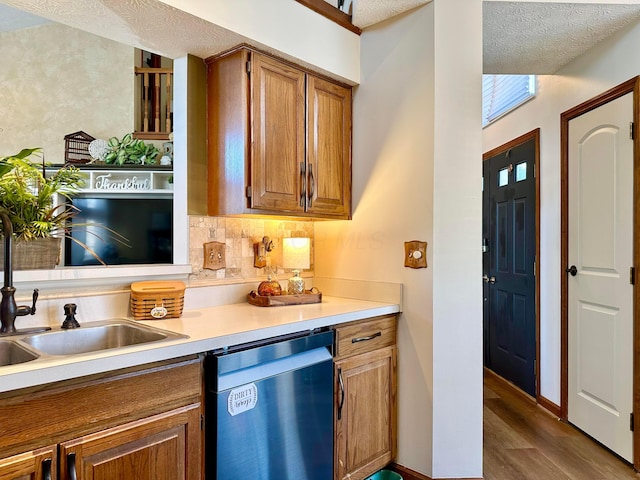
[(408, 474), (549, 405), (540, 400)]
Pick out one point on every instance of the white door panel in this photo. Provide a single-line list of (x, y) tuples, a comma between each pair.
[(597, 212), (600, 295)]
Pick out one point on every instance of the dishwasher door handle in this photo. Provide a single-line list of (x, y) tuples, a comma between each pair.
[(275, 367)]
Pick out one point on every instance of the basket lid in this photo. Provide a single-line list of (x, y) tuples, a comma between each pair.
[(158, 286)]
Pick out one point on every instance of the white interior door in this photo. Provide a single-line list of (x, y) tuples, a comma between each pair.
[(600, 294)]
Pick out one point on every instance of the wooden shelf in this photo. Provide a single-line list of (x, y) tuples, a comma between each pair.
[(124, 180)]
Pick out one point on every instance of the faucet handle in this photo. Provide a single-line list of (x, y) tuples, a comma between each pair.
[(70, 308), (28, 310), (35, 299)]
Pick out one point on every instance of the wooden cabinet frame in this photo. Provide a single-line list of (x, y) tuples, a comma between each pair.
[(365, 397), (120, 412), (279, 138)]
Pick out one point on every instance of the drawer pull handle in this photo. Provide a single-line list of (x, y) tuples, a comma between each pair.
[(341, 404), (46, 469), (312, 186), (303, 187), (364, 339)]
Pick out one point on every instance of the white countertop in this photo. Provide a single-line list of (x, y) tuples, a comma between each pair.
[(206, 328)]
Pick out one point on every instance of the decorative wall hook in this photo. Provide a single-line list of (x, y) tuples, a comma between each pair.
[(260, 250)]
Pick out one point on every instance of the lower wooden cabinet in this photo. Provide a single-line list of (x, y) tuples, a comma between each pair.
[(365, 412), (33, 465), (142, 423), (163, 447)]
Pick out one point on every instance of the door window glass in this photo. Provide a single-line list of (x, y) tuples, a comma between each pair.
[(521, 172), (503, 177)]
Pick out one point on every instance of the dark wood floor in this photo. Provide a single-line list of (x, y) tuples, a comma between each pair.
[(524, 441)]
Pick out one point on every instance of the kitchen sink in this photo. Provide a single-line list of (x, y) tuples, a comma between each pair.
[(11, 353), (97, 336)]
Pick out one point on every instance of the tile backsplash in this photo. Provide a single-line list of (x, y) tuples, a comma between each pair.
[(239, 235)]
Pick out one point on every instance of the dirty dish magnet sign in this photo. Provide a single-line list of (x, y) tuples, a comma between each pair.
[(242, 399)]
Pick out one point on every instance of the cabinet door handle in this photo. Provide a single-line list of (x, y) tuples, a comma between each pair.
[(71, 466), (341, 404), (46, 469), (364, 339), (303, 184), (312, 185)]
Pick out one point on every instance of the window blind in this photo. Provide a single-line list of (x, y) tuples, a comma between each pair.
[(503, 93)]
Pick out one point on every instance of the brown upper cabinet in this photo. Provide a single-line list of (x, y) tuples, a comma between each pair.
[(279, 139)]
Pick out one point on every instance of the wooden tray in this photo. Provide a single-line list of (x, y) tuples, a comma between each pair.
[(282, 300)]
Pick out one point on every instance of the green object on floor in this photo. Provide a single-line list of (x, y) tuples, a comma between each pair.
[(385, 475)]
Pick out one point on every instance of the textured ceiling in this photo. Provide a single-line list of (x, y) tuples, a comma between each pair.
[(369, 12), (519, 36), (540, 38), (146, 24)]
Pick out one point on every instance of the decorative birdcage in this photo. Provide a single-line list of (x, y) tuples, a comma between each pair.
[(76, 147)]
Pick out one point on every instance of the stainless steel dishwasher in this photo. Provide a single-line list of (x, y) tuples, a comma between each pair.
[(269, 409)]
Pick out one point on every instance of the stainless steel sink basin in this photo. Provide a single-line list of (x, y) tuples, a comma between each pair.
[(11, 353), (96, 336)]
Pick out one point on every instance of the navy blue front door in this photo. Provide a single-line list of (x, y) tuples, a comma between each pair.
[(509, 246)]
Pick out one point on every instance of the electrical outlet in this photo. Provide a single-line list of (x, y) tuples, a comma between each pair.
[(415, 254), (214, 256)]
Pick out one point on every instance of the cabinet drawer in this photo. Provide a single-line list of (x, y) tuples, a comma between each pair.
[(365, 336)]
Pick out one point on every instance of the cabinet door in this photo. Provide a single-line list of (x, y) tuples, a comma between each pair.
[(365, 413), (35, 465), (162, 447), (277, 135), (328, 148)]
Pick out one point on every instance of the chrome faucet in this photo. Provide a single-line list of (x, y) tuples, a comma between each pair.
[(8, 308)]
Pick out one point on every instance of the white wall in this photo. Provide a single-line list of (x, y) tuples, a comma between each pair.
[(457, 212), (287, 26), (58, 80), (416, 142), (605, 66)]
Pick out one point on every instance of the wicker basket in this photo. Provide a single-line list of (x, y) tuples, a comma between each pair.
[(157, 299)]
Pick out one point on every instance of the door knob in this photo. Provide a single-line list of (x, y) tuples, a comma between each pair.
[(488, 279), (572, 270)]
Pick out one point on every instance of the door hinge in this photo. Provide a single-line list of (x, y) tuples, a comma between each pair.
[(631, 422), (632, 275), (249, 192), (632, 131), (535, 370), (248, 67), (202, 422)]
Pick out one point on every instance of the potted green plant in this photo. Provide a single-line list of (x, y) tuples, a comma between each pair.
[(131, 151), (28, 198)]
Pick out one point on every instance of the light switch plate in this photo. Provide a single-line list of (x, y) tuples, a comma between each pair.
[(214, 256), (415, 254)]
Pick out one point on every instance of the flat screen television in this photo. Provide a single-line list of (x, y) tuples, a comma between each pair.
[(146, 223)]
